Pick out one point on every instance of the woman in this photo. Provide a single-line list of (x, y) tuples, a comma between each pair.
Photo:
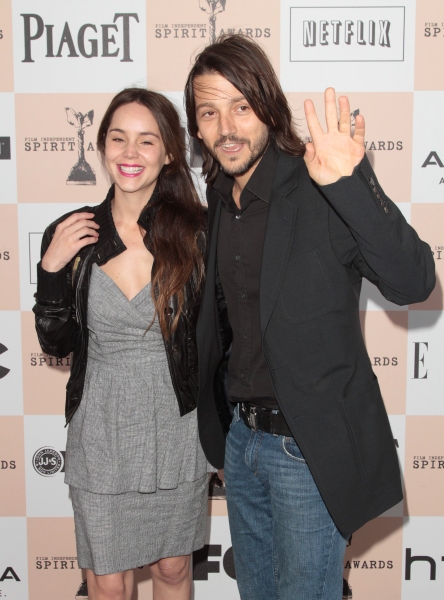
[(119, 287)]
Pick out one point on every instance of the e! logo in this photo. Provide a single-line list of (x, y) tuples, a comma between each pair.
[(419, 370)]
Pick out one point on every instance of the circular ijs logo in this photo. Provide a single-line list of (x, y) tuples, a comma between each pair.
[(47, 461)]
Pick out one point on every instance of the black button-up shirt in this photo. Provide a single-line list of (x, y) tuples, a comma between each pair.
[(239, 257)]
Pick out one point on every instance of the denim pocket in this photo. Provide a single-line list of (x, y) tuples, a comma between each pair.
[(236, 415), (292, 450)]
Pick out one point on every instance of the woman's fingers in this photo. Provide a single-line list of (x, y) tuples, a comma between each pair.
[(71, 220), (72, 234), (80, 233), (71, 224), (76, 229)]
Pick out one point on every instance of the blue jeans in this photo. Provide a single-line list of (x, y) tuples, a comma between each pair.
[(285, 544)]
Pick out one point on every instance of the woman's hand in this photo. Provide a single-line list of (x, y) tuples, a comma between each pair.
[(72, 234)]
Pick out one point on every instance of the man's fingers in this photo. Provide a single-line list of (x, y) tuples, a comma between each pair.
[(309, 153), (312, 120), (344, 115), (359, 135), (331, 115)]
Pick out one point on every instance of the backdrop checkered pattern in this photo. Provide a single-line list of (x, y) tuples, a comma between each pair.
[(61, 57)]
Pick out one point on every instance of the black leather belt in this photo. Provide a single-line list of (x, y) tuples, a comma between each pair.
[(259, 418)]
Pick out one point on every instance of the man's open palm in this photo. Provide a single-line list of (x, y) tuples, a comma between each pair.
[(334, 153)]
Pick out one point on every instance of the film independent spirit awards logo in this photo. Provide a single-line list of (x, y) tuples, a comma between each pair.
[(212, 8), (48, 461), (81, 173)]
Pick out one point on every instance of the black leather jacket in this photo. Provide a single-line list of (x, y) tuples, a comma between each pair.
[(61, 305)]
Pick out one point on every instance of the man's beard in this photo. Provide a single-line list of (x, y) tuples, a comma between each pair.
[(257, 151)]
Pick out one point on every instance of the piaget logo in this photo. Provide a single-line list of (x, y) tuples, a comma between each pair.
[(352, 33), (111, 40)]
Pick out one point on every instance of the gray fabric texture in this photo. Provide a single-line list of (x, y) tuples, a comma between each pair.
[(137, 473), (127, 435), (115, 533)]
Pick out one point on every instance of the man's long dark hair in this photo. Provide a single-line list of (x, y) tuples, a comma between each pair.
[(246, 66), (179, 217)]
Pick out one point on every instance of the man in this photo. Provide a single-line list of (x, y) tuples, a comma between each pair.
[(310, 456)]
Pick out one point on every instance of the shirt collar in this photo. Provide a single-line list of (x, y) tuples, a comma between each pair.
[(260, 182)]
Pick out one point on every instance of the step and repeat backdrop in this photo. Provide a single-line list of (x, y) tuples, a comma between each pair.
[(59, 59)]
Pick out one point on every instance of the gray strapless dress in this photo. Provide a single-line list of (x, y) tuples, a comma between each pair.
[(137, 473)]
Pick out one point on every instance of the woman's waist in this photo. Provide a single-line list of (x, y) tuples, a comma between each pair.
[(127, 356)]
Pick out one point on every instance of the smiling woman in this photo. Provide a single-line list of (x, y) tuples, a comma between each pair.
[(134, 151), (130, 270)]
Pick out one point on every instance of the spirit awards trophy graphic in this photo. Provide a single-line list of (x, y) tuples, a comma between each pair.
[(212, 8), (81, 173)]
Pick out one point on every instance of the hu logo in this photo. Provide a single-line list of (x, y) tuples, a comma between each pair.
[(410, 559), (3, 370), (81, 173)]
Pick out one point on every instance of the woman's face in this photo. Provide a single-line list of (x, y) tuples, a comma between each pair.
[(134, 150)]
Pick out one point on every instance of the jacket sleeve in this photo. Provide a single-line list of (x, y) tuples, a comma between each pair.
[(386, 250), (55, 325)]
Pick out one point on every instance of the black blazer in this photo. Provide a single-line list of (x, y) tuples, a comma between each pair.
[(319, 243)]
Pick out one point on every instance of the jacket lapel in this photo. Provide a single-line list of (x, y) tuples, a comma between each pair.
[(278, 236), (207, 307)]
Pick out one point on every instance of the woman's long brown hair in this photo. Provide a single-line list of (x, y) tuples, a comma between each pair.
[(178, 223)]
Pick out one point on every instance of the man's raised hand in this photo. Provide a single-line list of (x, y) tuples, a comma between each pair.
[(334, 153)]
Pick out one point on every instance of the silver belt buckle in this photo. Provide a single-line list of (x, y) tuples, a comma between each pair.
[(252, 413)]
